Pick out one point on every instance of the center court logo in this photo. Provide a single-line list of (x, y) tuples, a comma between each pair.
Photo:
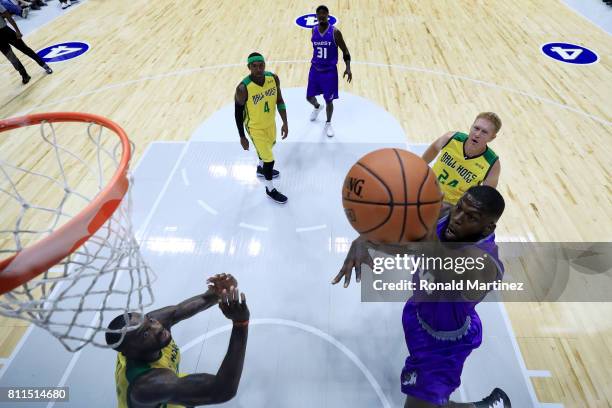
[(310, 20)]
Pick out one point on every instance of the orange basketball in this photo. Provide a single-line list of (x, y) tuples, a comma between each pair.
[(391, 196)]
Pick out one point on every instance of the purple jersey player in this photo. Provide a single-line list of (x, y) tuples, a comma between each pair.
[(443, 328), (323, 75)]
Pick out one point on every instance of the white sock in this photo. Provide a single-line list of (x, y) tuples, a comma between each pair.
[(260, 163), (269, 184)]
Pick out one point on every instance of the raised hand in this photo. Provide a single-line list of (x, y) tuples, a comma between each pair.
[(233, 305), (220, 282)]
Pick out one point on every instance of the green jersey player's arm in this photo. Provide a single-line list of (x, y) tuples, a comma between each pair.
[(434, 148), (170, 315), (493, 177), (239, 105), (163, 386), (282, 110), (280, 102)]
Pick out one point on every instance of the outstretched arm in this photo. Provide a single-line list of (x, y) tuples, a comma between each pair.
[(170, 315), (282, 110), (160, 386), (433, 149), (345, 54), (359, 255)]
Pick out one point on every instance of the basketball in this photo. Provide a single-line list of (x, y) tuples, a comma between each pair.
[(391, 196)]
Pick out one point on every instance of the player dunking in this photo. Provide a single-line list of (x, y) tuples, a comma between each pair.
[(441, 333), (323, 76), (256, 98)]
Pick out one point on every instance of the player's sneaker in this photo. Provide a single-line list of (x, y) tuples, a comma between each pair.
[(65, 4), (329, 130), (276, 196), (47, 69), (497, 399), (24, 12), (315, 113), (260, 173)]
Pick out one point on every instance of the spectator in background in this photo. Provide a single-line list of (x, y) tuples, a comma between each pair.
[(15, 9), (33, 4), (9, 37)]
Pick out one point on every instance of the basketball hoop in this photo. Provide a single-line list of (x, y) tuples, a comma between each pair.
[(62, 263)]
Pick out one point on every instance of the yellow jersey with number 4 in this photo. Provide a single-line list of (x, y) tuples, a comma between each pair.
[(260, 108), (456, 172)]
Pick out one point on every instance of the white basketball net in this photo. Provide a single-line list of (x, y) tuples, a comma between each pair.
[(42, 189)]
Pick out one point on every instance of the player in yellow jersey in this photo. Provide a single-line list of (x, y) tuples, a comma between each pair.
[(147, 370), (465, 160), (256, 100)]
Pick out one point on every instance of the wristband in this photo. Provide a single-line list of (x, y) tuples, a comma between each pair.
[(241, 324), (281, 106)]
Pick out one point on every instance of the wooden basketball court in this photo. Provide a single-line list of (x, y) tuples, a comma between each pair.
[(160, 70)]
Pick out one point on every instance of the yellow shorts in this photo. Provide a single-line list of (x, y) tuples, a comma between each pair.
[(264, 140)]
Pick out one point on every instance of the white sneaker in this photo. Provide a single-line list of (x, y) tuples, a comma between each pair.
[(65, 6), (24, 12), (329, 130), (315, 113)]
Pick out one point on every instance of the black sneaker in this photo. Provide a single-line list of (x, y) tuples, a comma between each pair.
[(260, 173), (25, 78), (276, 196), (47, 69), (497, 399)]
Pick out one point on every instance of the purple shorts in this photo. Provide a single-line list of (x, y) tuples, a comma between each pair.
[(323, 82), (433, 369)]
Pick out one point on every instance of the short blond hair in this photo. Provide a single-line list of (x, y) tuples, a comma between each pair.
[(491, 117)]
